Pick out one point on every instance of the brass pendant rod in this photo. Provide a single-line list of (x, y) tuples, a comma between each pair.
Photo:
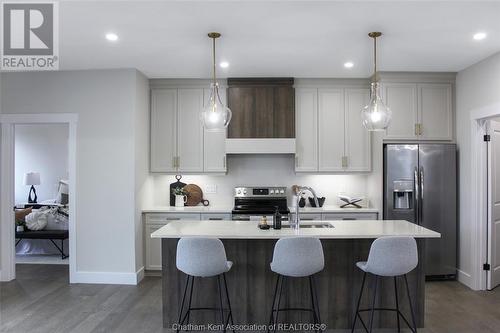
[(213, 58), (375, 58)]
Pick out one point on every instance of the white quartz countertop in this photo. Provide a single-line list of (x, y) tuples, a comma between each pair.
[(358, 229), (228, 209)]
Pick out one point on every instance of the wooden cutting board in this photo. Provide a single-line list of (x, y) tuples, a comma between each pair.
[(194, 194)]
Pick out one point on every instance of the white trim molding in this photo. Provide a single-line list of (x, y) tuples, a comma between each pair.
[(478, 196), (132, 278), (7, 240)]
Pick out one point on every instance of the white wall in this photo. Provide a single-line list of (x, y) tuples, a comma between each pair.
[(262, 170), (477, 86), (40, 148), (105, 101), (143, 179)]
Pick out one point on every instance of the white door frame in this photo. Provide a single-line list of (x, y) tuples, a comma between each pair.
[(478, 193), (7, 202)]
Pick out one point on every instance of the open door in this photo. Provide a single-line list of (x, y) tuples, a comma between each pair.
[(494, 206)]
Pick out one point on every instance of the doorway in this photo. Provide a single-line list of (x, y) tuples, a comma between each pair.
[(63, 188)]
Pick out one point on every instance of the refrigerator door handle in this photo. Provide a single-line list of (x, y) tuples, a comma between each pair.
[(417, 196), (421, 214)]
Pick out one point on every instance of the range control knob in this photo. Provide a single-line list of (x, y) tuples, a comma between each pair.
[(282, 191), (271, 192), (239, 192), (244, 191)]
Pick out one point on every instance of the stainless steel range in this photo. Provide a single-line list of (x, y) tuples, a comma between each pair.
[(255, 202)]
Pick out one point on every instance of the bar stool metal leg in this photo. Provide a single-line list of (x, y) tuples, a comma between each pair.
[(315, 293), (397, 303), (359, 303), (411, 306), (282, 282), (313, 301), (271, 317), (375, 284), (221, 304), (230, 316), (182, 303)]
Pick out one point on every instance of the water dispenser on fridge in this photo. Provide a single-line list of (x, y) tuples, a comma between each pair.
[(403, 194)]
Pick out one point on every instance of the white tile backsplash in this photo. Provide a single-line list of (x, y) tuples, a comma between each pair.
[(261, 170)]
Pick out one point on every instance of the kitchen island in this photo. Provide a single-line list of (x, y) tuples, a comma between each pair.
[(251, 282)]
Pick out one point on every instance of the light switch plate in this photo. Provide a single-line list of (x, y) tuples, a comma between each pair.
[(211, 189)]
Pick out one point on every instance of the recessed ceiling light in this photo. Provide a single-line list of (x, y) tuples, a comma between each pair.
[(224, 64), (348, 65), (479, 36), (112, 37)]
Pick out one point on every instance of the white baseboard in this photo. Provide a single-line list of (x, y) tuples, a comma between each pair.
[(139, 275), (465, 278), (106, 277)]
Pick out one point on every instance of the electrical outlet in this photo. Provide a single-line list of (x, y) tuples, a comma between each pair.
[(211, 189)]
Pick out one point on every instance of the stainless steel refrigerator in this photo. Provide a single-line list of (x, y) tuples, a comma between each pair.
[(420, 186)]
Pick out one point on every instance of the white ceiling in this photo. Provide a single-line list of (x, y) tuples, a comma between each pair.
[(281, 38)]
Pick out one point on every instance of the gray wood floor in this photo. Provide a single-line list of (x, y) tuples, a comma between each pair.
[(41, 300)]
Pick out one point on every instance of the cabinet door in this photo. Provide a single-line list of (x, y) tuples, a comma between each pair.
[(190, 130), (306, 130), (153, 247), (163, 130), (331, 125), (284, 106), (310, 217), (435, 111), (214, 143), (401, 98), (357, 138)]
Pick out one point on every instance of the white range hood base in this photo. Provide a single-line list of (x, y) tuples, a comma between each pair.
[(260, 146)]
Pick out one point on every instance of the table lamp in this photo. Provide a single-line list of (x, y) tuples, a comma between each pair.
[(32, 178)]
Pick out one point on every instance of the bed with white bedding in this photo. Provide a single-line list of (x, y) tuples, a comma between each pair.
[(47, 215)]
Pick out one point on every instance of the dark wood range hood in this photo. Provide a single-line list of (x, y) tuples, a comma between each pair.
[(263, 114)]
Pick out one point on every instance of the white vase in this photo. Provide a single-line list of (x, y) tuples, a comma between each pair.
[(180, 200), (19, 228)]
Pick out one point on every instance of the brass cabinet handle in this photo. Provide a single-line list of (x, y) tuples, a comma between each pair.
[(344, 162)]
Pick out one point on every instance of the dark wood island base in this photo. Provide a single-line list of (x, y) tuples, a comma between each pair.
[(251, 286)]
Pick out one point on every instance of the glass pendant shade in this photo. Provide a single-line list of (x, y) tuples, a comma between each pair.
[(376, 116), (215, 116)]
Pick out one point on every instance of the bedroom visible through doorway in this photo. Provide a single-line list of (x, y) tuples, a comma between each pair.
[(41, 185)]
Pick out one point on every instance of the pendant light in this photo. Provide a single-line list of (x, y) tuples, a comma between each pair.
[(376, 116), (215, 116)]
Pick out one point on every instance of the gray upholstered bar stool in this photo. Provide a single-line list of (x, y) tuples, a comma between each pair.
[(296, 257), (201, 258), (389, 257)]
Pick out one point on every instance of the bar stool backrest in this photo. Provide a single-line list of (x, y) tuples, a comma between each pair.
[(392, 256), (298, 257), (201, 257)]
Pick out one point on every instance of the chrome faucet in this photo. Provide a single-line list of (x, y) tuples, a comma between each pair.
[(301, 190)]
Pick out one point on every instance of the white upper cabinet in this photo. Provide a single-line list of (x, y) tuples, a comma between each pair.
[(190, 130), (163, 130), (420, 111), (435, 111), (306, 129), (179, 143), (401, 98), (214, 143), (357, 138), (331, 117), (330, 135)]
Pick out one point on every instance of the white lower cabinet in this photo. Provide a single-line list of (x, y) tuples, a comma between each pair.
[(216, 217), (310, 217), (350, 216), (153, 222)]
